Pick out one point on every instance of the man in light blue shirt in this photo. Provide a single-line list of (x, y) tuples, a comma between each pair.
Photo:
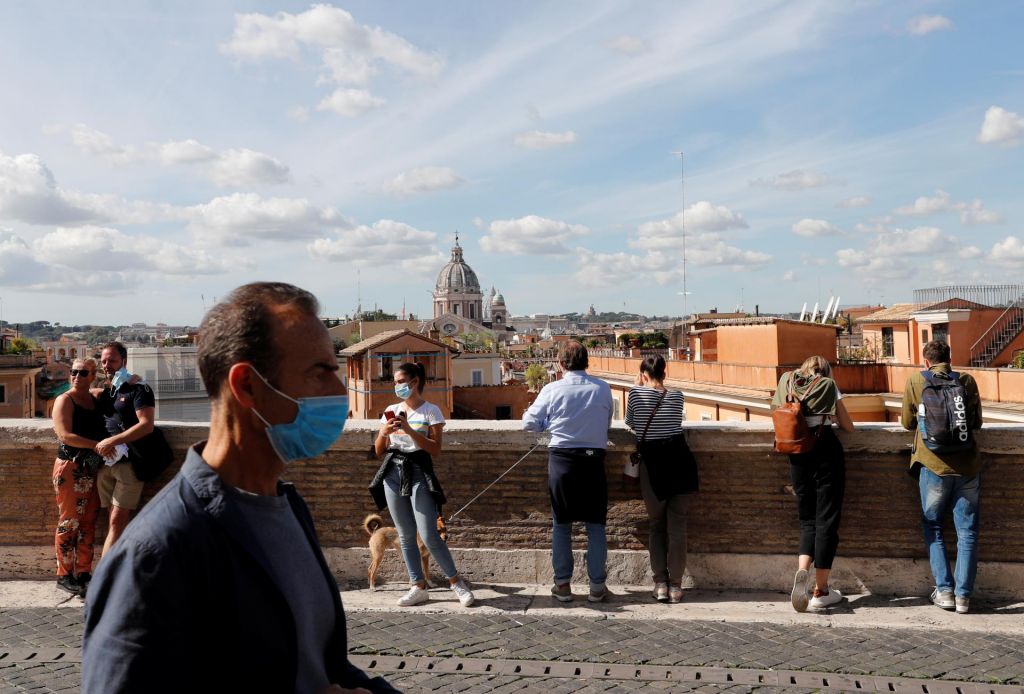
[(577, 410)]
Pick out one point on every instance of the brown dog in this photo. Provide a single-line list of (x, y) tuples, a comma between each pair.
[(384, 536)]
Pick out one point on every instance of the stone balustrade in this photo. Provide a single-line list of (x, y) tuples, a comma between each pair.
[(742, 525)]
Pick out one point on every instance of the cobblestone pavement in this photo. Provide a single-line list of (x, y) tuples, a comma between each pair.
[(939, 654)]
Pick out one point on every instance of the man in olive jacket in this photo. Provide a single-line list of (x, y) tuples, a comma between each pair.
[(947, 481)]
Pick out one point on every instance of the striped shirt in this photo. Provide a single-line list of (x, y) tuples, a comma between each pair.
[(667, 421)]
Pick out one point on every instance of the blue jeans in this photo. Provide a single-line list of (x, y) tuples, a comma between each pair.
[(412, 514), (561, 552), (937, 495)]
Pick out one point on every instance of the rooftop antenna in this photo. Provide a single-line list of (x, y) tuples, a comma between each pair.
[(682, 220), (828, 309), (359, 294)]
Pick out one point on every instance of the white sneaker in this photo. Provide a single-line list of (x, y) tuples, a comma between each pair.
[(799, 596), (943, 599), (827, 600), (963, 605), (463, 592), (415, 596)]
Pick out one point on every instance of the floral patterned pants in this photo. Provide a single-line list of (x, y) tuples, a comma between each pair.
[(78, 503)]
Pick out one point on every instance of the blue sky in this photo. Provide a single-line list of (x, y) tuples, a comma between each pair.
[(156, 154)]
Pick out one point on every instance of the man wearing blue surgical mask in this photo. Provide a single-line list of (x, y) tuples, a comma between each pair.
[(220, 584), (130, 411)]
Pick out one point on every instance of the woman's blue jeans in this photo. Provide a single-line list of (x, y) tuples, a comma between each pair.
[(412, 514), (938, 494)]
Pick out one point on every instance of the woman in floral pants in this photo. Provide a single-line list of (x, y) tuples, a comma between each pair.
[(79, 425)]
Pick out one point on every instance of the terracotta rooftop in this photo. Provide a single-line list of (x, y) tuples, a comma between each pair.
[(894, 314), (383, 338)]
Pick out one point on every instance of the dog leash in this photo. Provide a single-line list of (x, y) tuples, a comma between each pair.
[(535, 446)]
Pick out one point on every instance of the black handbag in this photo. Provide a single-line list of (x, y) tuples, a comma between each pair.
[(150, 455)]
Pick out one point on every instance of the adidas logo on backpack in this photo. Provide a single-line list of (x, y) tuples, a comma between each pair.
[(942, 414)]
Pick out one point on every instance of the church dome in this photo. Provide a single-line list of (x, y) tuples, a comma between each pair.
[(499, 300), (456, 276)]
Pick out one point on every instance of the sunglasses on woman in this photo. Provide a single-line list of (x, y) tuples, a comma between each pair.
[(79, 372)]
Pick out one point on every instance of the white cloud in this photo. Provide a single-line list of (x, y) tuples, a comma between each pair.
[(926, 24), (918, 240), (877, 268), (98, 260), (536, 139), (185, 152), (350, 102), (970, 252), (242, 218), (424, 180), (971, 214), (18, 266), (29, 193), (91, 248), (616, 269), (975, 214), (350, 53), (629, 45), (815, 227), (704, 245), (244, 167), (788, 276), (923, 206), (232, 167), (530, 235), (796, 180), (1009, 253), (855, 202), (699, 217), (385, 243), (1001, 127), (709, 249)]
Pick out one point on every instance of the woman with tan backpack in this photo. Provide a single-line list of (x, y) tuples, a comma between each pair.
[(818, 476)]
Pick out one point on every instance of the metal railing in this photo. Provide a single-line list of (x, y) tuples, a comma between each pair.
[(987, 294), (1006, 327), (178, 385)]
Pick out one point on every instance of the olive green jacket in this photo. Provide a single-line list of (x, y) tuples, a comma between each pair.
[(966, 463)]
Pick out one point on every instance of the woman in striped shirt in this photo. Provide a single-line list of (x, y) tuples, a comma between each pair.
[(667, 474)]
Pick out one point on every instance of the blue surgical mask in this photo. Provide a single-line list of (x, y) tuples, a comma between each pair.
[(318, 423), (120, 378), (403, 390)]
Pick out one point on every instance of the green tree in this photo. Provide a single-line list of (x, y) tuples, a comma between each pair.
[(536, 376), (22, 345)]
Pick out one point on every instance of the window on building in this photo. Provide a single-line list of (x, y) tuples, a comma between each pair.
[(478, 377), (924, 337), (498, 319), (705, 416), (472, 311), (3, 393), (387, 368), (503, 412), (888, 346), (940, 332), (455, 309)]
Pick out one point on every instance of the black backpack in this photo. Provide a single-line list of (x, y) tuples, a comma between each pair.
[(942, 416)]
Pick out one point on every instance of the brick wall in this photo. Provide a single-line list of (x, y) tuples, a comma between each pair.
[(743, 506)]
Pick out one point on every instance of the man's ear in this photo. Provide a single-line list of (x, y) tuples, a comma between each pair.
[(240, 383)]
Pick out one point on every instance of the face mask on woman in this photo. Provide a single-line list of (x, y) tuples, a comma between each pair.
[(403, 390)]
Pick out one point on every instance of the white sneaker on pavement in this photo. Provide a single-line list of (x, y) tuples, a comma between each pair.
[(415, 596), (830, 598), (963, 605), (943, 599), (463, 592)]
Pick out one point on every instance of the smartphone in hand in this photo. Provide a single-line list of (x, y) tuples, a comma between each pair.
[(389, 415)]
